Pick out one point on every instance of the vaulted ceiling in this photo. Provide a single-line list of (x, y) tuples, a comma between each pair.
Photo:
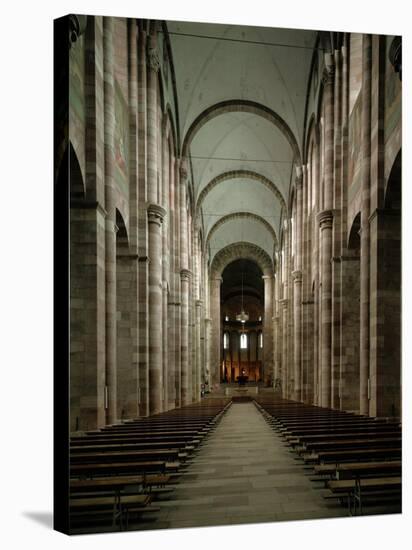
[(241, 94)]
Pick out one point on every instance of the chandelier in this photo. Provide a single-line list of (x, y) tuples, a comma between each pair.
[(242, 316)]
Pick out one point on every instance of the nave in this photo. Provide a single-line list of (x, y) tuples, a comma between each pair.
[(243, 474), (235, 218)]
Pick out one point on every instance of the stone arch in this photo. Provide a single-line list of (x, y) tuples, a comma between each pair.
[(126, 303), (70, 163), (393, 189), (233, 174), (122, 237), (310, 136), (350, 316), (240, 106), (354, 235), (239, 250), (319, 99), (169, 128), (238, 215), (387, 284)]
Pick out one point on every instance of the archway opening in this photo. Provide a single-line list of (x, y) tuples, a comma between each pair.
[(388, 391), (350, 319), (242, 339)]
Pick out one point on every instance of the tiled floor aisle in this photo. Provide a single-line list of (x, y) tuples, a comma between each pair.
[(242, 474)]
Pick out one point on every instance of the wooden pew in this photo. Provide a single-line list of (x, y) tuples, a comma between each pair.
[(130, 456), (358, 443), (137, 457), (131, 438), (89, 509), (132, 446), (350, 470), (115, 468), (348, 455), (357, 489)]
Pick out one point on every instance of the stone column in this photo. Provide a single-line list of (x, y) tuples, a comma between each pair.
[(178, 303), (198, 349), (208, 330), (171, 370), (153, 66), (365, 231), (307, 351), (87, 255), (215, 363), (276, 343), (267, 326), (325, 219), (155, 218), (143, 263), (274, 329), (165, 261), (336, 253), (173, 317), (284, 313), (185, 281), (297, 292), (297, 334), (178, 351), (197, 313), (111, 228), (307, 302), (192, 315), (87, 318), (155, 214), (134, 382)]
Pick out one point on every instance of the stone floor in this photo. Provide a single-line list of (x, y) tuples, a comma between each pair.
[(243, 473)]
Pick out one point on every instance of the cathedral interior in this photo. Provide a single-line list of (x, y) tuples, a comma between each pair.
[(235, 273)]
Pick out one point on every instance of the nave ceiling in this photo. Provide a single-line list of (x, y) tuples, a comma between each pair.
[(241, 96)]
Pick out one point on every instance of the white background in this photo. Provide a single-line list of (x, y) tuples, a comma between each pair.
[(26, 235)]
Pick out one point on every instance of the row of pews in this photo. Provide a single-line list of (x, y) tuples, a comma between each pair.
[(356, 458), (117, 472)]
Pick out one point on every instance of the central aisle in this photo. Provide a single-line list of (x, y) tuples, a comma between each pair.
[(243, 474)]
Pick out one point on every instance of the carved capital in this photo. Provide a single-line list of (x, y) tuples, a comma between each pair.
[(284, 303), (156, 213), (395, 55), (337, 57), (325, 218), (183, 170), (165, 127), (298, 171), (185, 275), (329, 70), (297, 276), (77, 26), (199, 303), (153, 61)]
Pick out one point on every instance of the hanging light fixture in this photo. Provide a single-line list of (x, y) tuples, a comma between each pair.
[(242, 316)]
